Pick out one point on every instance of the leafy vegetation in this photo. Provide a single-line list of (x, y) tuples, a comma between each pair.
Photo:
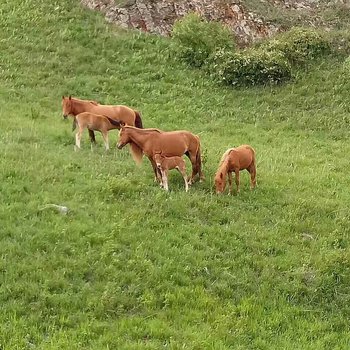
[(201, 43), (250, 67), (132, 267), (197, 39), (300, 45)]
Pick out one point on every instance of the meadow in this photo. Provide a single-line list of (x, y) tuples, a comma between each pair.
[(133, 267)]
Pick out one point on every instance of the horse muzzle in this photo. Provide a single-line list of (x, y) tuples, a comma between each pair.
[(120, 145), (65, 116)]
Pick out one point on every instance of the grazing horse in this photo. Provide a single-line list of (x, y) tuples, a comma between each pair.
[(169, 143), (74, 106), (93, 122), (235, 159), (165, 164)]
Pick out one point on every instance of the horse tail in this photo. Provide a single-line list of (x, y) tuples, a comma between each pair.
[(74, 123), (138, 120), (253, 154), (113, 122), (199, 159)]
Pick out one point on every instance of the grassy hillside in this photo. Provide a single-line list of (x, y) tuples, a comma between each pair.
[(132, 267), (327, 13)]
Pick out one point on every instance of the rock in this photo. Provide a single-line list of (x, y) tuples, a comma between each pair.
[(158, 16)]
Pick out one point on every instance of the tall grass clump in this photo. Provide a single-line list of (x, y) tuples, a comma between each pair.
[(196, 39), (299, 45), (346, 65), (250, 67)]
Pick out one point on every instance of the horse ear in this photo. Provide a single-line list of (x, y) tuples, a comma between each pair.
[(70, 97), (62, 97)]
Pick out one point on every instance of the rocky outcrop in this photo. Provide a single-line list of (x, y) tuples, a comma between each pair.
[(158, 16)]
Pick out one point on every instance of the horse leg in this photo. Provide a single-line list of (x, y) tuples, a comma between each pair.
[(161, 183), (165, 180), (237, 179), (157, 172), (92, 136), (199, 165), (193, 159), (229, 173), (77, 139), (252, 171), (105, 139)]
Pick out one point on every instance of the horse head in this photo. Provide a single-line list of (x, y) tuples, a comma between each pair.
[(158, 159), (220, 182), (67, 106), (123, 136)]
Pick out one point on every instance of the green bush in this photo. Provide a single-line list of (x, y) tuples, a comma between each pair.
[(196, 39), (250, 67), (299, 45)]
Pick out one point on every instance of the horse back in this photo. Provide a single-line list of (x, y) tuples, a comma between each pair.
[(177, 140), (117, 112), (242, 157)]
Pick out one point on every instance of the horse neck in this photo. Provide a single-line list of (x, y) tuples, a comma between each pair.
[(138, 137), (79, 107), (224, 167)]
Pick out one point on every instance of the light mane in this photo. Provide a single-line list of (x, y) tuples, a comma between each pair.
[(84, 101), (222, 163), (136, 152), (150, 130), (224, 156)]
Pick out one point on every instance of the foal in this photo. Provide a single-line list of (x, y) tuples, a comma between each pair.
[(235, 159), (94, 122), (164, 164)]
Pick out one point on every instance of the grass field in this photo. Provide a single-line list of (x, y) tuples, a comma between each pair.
[(132, 267)]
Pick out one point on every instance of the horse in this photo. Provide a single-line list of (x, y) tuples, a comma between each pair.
[(94, 122), (169, 143), (236, 159), (165, 164), (74, 106)]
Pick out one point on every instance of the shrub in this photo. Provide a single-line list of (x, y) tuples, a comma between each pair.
[(196, 39), (299, 45), (250, 67)]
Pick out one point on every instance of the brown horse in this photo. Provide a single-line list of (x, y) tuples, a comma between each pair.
[(93, 122), (235, 159), (169, 143), (165, 164), (74, 106)]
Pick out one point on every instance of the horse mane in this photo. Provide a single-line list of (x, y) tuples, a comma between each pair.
[(222, 161), (86, 101), (136, 152), (143, 130), (224, 156)]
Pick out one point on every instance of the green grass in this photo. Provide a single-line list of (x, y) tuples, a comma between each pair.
[(132, 267), (322, 14)]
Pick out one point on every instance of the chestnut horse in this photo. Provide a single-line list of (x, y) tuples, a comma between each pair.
[(235, 159), (93, 122), (169, 143), (74, 106), (165, 164)]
